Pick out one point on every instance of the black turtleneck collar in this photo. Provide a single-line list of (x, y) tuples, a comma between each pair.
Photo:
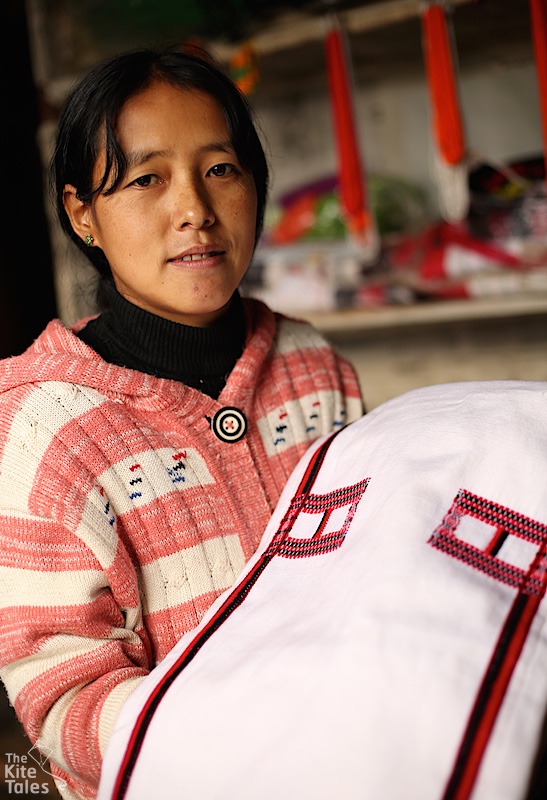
[(203, 358)]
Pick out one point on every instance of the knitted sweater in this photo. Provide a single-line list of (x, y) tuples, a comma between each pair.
[(123, 515)]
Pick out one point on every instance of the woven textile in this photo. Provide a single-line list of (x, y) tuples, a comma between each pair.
[(389, 637)]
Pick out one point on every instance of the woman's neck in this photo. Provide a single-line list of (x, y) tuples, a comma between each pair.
[(203, 358)]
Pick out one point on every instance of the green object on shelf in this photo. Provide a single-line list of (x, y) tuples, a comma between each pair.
[(398, 205), (328, 222)]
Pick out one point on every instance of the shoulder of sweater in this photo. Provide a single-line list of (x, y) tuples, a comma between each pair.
[(19, 373), (287, 329), (54, 345)]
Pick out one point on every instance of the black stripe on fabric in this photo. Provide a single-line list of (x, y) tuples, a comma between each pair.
[(500, 654)]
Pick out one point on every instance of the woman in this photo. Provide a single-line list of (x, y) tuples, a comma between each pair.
[(143, 450)]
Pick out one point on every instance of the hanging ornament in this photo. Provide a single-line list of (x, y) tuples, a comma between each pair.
[(243, 68), (450, 166), (351, 178), (538, 15)]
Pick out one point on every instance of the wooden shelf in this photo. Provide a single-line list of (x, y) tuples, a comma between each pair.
[(294, 29), (350, 322)]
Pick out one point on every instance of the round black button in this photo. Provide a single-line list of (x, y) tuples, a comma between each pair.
[(229, 424)]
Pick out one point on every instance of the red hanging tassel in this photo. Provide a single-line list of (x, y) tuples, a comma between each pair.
[(441, 80), (538, 15), (351, 177)]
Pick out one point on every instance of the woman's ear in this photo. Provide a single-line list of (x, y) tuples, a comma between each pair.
[(79, 214)]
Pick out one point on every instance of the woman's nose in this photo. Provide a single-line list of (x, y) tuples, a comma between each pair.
[(193, 207)]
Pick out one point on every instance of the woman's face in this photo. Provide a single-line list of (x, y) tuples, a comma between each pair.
[(179, 231)]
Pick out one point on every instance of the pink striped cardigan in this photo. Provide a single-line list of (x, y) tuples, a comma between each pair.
[(123, 516)]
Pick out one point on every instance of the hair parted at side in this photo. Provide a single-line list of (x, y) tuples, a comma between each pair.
[(88, 123)]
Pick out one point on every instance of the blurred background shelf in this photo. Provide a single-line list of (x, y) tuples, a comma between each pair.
[(351, 322)]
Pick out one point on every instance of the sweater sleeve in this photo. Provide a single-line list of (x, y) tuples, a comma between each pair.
[(72, 640), (70, 650)]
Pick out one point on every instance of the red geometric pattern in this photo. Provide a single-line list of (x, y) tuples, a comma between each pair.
[(324, 539), (503, 523)]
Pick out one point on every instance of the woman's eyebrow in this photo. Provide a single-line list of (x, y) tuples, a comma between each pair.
[(138, 157), (224, 146)]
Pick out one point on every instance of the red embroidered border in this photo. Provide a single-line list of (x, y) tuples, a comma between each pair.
[(531, 585)]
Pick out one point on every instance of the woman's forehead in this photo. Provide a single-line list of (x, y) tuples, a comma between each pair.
[(162, 109)]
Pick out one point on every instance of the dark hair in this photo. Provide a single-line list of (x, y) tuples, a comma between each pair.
[(88, 122)]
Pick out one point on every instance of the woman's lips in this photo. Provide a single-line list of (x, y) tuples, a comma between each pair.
[(199, 256), (197, 259)]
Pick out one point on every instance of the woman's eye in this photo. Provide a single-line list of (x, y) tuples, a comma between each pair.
[(145, 180), (221, 170)]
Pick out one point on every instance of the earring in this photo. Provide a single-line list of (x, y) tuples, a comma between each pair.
[(89, 240)]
